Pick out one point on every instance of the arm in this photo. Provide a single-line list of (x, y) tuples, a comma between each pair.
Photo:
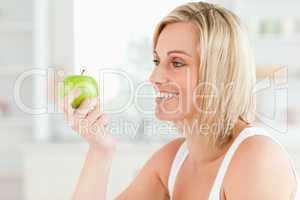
[(151, 182), (147, 185), (92, 184), (90, 122), (94, 176)]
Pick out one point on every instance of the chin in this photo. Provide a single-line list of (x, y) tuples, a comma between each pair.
[(168, 116)]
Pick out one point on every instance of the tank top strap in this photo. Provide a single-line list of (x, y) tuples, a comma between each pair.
[(180, 156), (246, 133)]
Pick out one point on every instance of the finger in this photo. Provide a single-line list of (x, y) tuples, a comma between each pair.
[(103, 120), (85, 107), (68, 98), (79, 122), (98, 127), (80, 125), (94, 114), (68, 109)]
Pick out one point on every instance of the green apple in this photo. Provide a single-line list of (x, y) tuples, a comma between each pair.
[(87, 85)]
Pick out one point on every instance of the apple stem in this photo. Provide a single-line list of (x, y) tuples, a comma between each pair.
[(82, 72)]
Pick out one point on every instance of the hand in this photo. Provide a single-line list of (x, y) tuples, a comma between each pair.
[(88, 121)]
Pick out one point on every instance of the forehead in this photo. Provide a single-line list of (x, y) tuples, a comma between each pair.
[(178, 36)]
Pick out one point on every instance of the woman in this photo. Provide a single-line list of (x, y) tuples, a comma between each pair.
[(204, 75)]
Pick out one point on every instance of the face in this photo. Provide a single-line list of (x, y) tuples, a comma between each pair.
[(175, 75)]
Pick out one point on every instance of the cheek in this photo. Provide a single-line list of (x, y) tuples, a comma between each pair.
[(188, 89), (188, 84)]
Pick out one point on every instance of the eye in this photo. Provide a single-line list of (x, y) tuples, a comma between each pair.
[(178, 64), (156, 61)]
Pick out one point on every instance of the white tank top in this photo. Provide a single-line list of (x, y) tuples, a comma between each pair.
[(216, 189)]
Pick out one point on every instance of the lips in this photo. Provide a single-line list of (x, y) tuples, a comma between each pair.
[(165, 96)]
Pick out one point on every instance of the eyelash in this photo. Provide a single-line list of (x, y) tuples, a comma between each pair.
[(174, 63)]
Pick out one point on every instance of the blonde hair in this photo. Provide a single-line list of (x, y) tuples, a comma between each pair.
[(225, 60)]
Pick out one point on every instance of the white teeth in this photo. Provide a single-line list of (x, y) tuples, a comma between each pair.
[(165, 94)]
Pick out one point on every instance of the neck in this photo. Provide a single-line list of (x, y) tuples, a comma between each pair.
[(201, 151)]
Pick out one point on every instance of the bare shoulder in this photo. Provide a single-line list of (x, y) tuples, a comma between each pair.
[(260, 169), (162, 159), (151, 182)]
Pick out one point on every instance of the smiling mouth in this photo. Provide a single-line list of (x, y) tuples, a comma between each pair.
[(165, 96)]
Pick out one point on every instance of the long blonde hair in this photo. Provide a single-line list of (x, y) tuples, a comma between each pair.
[(225, 60)]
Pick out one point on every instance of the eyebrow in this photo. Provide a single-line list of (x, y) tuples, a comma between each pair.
[(175, 51)]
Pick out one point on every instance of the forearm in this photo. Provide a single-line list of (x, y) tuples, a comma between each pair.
[(93, 180)]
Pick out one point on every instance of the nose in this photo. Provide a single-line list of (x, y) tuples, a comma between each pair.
[(158, 76)]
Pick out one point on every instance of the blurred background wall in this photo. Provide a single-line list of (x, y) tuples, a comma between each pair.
[(40, 157)]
